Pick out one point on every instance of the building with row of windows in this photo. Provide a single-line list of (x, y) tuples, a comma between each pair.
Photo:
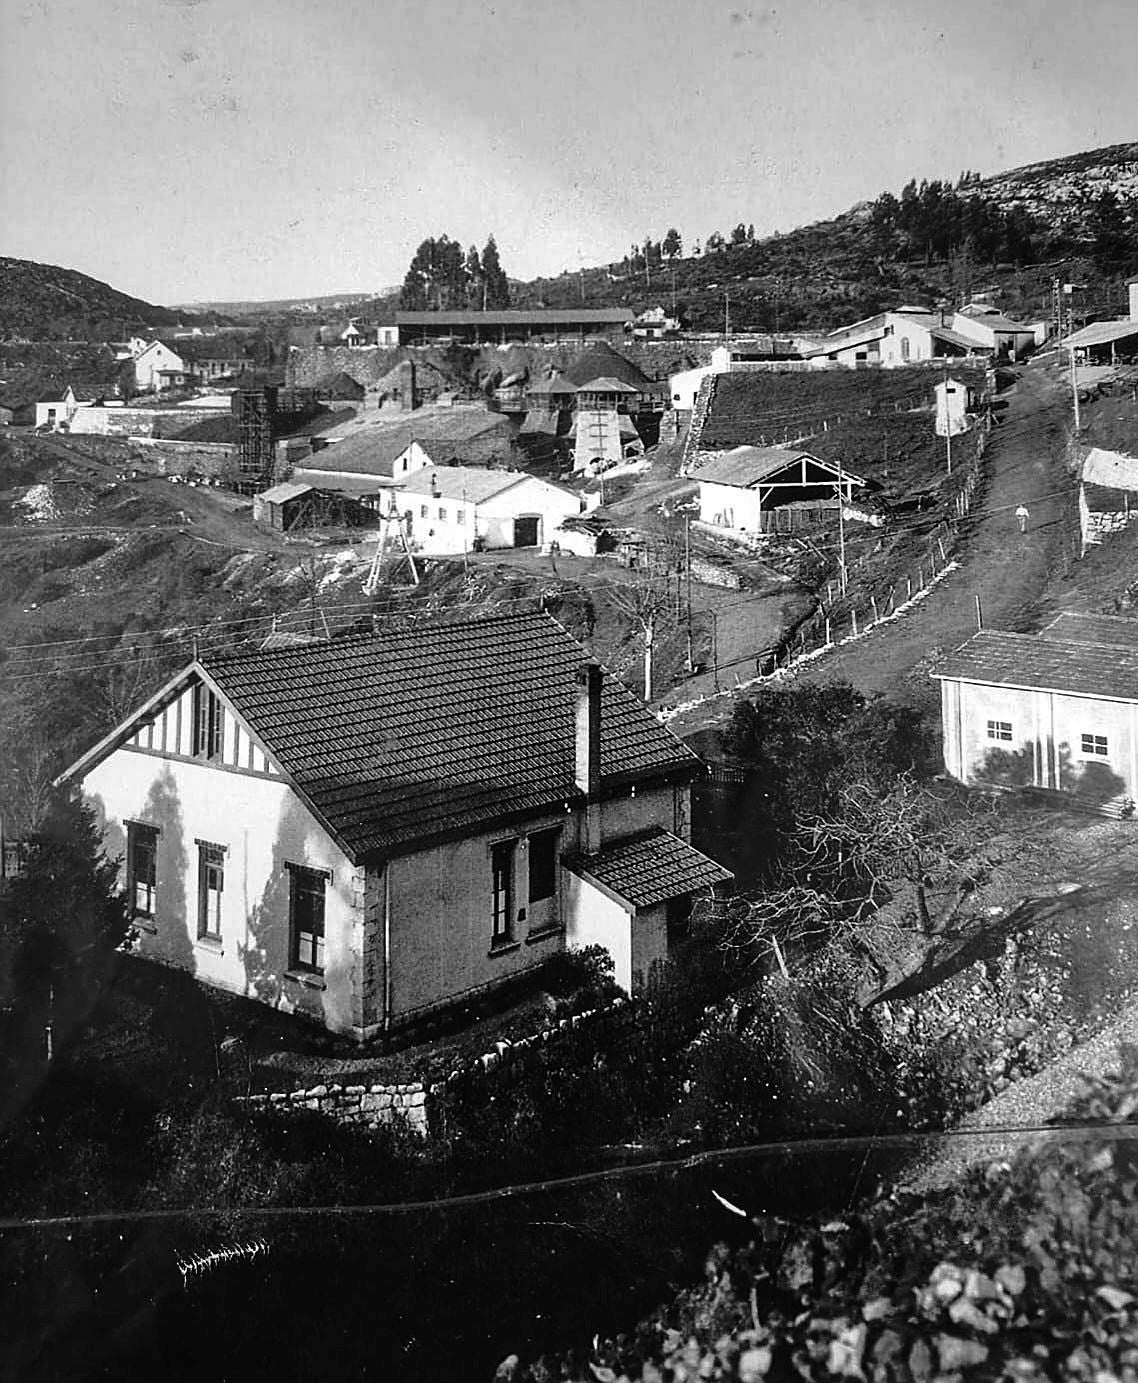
[(371, 830)]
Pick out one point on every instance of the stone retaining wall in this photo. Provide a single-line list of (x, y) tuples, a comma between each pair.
[(373, 1106), (366, 1106)]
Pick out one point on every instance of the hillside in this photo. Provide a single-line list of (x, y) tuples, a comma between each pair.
[(45, 302), (1013, 231)]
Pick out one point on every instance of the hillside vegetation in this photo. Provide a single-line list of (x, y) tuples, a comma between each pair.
[(1014, 231), (44, 302)]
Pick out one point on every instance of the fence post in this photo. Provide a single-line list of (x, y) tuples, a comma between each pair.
[(940, 544), (853, 617), (828, 630), (908, 588), (873, 602)]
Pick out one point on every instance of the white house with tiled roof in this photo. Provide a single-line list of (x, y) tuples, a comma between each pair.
[(1056, 710), (371, 830), (158, 366), (455, 509)]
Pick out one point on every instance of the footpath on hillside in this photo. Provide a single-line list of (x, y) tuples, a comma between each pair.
[(1008, 570)]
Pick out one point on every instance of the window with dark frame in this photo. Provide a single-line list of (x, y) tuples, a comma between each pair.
[(142, 867), (543, 864), (1095, 744), (999, 729), (211, 885), (306, 919), (502, 877), (207, 727)]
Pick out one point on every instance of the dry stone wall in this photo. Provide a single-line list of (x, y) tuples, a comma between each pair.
[(416, 1104), (364, 1106)]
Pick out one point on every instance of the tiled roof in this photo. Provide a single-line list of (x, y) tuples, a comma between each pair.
[(420, 734), (1025, 660), (606, 384), (954, 338), (601, 361), (516, 317), (373, 448), (1113, 630), (555, 384), (650, 868)]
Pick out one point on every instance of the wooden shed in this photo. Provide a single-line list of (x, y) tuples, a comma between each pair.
[(281, 506)]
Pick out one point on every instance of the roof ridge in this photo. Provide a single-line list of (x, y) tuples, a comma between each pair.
[(376, 636)]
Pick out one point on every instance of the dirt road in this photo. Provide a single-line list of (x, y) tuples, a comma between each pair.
[(1008, 570)]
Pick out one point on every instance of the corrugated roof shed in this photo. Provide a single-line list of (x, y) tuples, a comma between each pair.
[(1101, 333), (281, 494), (1112, 630), (651, 868), (1025, 661), (474, 484), (439, 731), (746, 466)]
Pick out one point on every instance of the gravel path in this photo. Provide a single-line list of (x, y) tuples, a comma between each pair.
[(1029, 1102)]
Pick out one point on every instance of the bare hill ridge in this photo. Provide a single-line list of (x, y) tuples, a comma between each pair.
[(47, 302)]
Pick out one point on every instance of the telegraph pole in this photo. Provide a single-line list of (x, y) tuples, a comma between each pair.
[(841, 528), (726, 314), (1075, 388), (687, 570)]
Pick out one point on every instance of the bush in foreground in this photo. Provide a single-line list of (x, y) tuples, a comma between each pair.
[(1023, 1271)]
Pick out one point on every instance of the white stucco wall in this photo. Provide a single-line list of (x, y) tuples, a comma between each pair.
[(595, 919), (531, 498), (1045, 749), (156, 357), (729, 506), (262, 825)]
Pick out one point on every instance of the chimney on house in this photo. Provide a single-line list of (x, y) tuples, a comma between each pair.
[(587, 751)]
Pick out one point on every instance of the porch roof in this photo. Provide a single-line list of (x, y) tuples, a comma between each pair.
[(650, 868)]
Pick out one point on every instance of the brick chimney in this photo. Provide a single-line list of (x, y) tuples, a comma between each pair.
[(587, 750)]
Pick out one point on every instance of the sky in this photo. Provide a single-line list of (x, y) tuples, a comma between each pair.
[(193, 150)]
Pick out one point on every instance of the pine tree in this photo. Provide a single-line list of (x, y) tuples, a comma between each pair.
[(497, 294), (475, 278), (62, 921)]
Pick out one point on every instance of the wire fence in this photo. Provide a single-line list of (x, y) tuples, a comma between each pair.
[(847, 614)]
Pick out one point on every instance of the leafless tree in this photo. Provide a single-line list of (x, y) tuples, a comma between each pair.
[(887, 873)]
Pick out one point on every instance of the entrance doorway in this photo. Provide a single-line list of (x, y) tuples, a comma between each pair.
[(527, 531)]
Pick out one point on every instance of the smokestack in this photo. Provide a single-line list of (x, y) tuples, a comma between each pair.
[(587, 751)]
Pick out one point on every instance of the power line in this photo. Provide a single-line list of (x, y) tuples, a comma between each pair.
[(793, 1147)]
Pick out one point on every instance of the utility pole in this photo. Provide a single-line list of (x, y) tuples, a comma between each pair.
[(1075, 388), (687, 571), (841, 528), (726, 314), (948, 439)]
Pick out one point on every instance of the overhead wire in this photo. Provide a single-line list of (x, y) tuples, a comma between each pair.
[(1110, 1131)]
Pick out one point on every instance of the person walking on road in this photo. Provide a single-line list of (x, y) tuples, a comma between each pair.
[(1023, 515)]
